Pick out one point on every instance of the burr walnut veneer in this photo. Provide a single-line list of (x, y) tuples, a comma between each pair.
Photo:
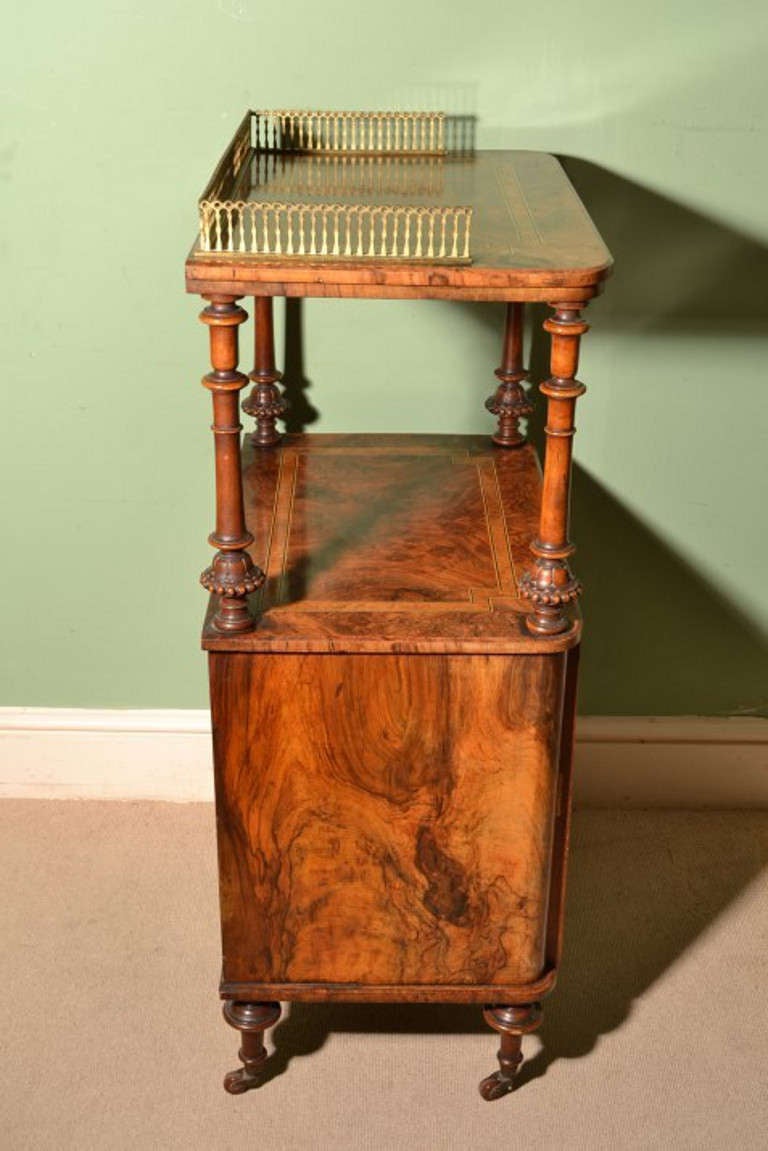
[(392, 630)]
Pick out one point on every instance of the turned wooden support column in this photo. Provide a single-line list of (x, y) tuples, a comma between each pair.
[(510, 402), (251, 1020), (232, 575), (512, 1023), (551, 585), (265, 403)]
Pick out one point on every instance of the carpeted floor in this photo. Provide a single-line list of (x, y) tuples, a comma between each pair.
[(112, 1036)]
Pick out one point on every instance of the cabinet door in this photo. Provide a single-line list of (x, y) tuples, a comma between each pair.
[(385, 819)]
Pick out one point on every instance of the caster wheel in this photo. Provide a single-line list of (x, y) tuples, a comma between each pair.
[(495, 1086), (236, 1082)]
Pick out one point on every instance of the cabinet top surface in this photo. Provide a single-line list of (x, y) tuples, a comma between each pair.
[(381, 543), (531, 236)]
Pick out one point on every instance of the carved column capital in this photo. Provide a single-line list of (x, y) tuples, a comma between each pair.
[(222, 311)]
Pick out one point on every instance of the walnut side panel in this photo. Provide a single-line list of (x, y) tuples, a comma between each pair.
[(386, 819)]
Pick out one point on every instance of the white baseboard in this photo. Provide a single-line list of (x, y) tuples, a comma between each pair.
[(671, 761), (621, 761), (83, 753)]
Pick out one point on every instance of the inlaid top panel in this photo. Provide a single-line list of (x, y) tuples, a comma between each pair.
[(389, 543), (529, 229)]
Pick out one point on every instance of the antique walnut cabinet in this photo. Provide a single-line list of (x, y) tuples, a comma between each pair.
[(392, 629)]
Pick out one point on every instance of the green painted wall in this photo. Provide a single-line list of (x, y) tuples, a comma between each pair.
[(114, 112)]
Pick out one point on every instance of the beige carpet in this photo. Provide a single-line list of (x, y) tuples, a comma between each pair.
[(112, 1036)]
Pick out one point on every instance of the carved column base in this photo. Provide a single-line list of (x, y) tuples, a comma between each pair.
[(251, 1020), (266, 405), (512, 1023), (550, 587), (233, 575), (509, 404)]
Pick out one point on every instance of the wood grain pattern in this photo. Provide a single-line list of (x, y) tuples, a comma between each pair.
[(530, 234), (385, 819), (391, 543)]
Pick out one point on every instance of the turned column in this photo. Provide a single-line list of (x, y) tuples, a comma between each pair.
[(265, 403), (232, 575), (512, 1023), (251, 1020), (551, 585), (509, 403)]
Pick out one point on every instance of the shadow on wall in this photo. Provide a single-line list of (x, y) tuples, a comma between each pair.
[(301, 412), (656, 629), (685, 272)]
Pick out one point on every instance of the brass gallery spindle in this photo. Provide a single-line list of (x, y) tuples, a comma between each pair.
[(510, 402), (265, 403), (551, 586), (232, 575)]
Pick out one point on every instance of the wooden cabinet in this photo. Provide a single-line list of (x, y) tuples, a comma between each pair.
[(392, 630)]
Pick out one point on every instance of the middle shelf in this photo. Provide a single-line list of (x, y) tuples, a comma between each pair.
[(390, 543)]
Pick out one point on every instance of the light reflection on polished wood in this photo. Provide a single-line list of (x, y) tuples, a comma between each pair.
[(391, 543)]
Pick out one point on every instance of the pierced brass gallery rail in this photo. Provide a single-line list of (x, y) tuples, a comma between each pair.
[(336, 231), (232, 222), (304, 131)]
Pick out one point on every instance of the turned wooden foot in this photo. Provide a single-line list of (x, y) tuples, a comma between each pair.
[(251, 1020), (512, 1023)]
